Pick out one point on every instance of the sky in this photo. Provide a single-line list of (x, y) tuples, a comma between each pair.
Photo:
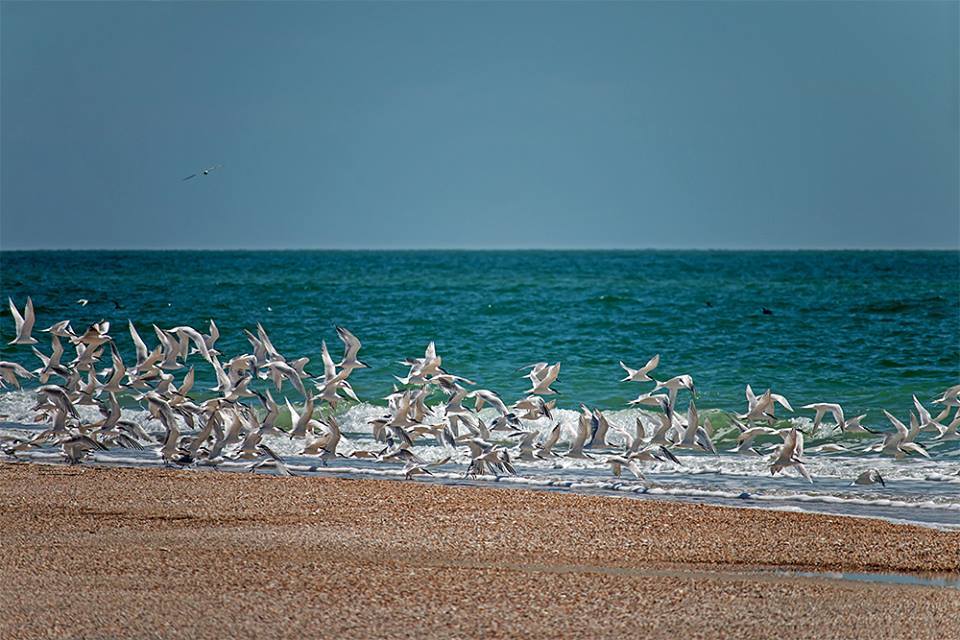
[(756, 125)]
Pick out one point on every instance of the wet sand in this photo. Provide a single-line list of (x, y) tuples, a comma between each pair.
[(141, 553)]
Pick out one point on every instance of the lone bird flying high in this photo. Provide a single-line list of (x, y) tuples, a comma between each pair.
[(202, 172)]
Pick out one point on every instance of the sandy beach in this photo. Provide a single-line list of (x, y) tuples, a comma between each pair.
[(134, 553)]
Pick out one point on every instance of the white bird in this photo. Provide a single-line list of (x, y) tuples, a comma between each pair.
[(694, 436), (527, 446), (900, 443), (327, 436), (351, 347), (634, 442), (580, 437), (599, 427), (853, 425), (950, 397), (96, 335), (429, 364), (531, 408), (484, 396), (61, 329), (927, 423), (535, 369), (541, 383), (58, 397), (546, 449), (790, 455), (824, 407), (83, 302), (51, 365), (652, 400), (188, 334), (270, 459), (641, 374), (171, 349), (664, 434), (764, 407), (618, 462), (76, 448), (212, 338), (830, 448), (278, 370), (24, 323), (333, 381), (655, 453), (11, 372), (113, 385), (673, 385), (748, 435), (300, 423), (413, 469), (950, 431)]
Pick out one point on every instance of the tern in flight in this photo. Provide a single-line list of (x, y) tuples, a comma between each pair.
[(790, 455), (643, 373), (823, 408), (24, 323), (202, 172)]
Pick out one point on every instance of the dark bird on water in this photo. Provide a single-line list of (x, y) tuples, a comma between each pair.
[(767, 312)]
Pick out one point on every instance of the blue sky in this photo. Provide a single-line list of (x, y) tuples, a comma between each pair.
[(462, 125)]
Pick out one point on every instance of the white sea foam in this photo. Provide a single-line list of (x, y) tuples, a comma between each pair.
[(918, 490)]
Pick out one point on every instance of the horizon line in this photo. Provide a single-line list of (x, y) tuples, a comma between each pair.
[(483, 249)]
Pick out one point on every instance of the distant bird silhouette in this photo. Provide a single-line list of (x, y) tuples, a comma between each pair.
[(202, 172), (767, 312)]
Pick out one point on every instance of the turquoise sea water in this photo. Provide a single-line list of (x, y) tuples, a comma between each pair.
[(865, 329)]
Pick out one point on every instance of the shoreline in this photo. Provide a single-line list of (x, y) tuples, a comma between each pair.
[(609, 488), (124, 552)]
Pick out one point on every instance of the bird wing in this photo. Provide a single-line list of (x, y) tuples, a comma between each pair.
[(901, 428), (552, 438), (581, 437), (635, 470), (17, 318), (28, 317), (692, 422), (751, 398), (652, 364), (329, 368), (913, 447), (214, 333), (138, 343), (922, 411), (782, 401), (351, 345), (837, 412)]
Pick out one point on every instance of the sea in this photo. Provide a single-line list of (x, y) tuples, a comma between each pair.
[(866, 329)]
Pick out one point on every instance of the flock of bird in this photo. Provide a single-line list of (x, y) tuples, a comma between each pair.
[(235, 416)]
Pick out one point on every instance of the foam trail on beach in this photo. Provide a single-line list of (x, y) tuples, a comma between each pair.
[(919, 491)]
